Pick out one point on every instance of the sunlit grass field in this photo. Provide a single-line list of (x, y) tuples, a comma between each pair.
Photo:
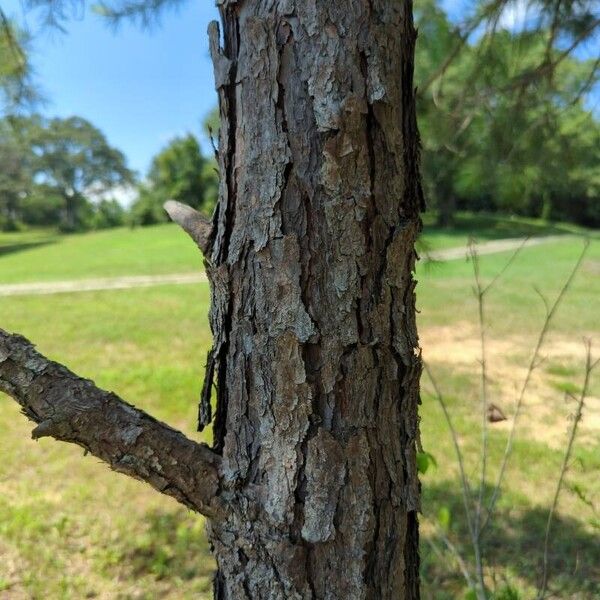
[(69, 528), (43, 255), (47, 256)]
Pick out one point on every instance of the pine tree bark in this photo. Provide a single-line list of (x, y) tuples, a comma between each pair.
[(315, 357), (311, 488)]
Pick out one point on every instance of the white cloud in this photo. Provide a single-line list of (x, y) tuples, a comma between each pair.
[(123, 194)]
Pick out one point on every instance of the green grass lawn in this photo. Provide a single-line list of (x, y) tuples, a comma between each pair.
[(486, 227), (514, 305), (69, 528), (514, 315), (44, 256)]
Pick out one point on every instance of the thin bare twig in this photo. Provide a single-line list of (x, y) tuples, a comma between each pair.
[(507, 265), (589, 366), (479, 292), (462, 565), (532, 366), (466, 490)]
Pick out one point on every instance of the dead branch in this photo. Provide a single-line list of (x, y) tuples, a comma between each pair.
[(197, 226)]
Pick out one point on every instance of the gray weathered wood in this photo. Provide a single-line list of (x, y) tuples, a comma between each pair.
[(196, 225)]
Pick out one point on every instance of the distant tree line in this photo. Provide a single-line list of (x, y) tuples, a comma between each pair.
[(63, 173), (50, 170), (504, 115), (178, 172)]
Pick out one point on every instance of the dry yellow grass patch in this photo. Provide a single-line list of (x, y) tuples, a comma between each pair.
[(546, 410)]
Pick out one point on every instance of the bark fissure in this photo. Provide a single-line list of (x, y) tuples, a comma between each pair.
[(205, 406), (228, 89), (231, 37)]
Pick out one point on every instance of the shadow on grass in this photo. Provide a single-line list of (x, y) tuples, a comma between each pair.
[(173, 546), (485, 227), (513, 547), (12, 248)]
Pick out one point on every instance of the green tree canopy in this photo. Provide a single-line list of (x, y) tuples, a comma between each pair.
[(74, 158), (178, 172), (17, 90), (65, 160), (499, 103), (498, 133)]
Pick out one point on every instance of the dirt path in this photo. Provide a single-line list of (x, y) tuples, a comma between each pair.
[(122, 283), (92, 285), (491, 247)]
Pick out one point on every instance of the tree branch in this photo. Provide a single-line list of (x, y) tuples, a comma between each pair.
[(71, 409), (197, 226)]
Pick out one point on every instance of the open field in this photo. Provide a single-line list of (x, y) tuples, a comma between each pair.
[(486, 227), (46, 256), (450, 340), (69, 528)]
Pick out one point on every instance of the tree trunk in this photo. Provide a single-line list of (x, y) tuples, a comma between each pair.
[(446, 206), (316, 357), (69, 216), (311, 489)]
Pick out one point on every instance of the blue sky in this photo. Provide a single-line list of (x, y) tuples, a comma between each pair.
[(141, 88)]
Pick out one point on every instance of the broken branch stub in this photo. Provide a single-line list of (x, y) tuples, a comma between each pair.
[(196, 225)]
